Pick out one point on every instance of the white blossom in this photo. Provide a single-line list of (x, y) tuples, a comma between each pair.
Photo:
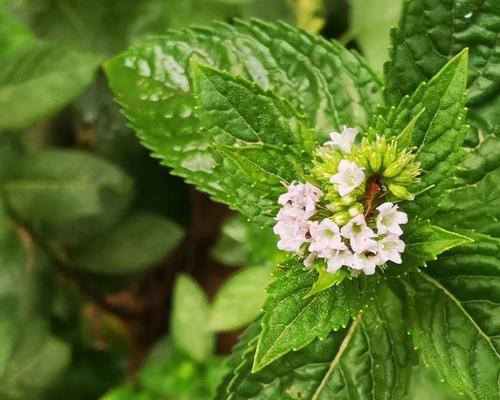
[(359, 234), (390, 248), (366, 262), (348, 177), (292, 233), (301, 195), (344, 140), (325, 238), (337, 259), (389, 219)]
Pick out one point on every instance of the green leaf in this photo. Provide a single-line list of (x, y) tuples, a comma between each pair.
[(262, 143), (432, 32), (370, 25), (62, 191), (40, 80), (330, 85), (369, 359), (438, 134), (475, 199), (452, 310), (13, 35), (425, 384), (240, 299), (455, 330), (189, 322), (327, 280), (38, 360), (424, 242), (114, 28), (134, 245), (292, 319)]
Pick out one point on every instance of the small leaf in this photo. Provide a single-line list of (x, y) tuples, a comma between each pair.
[(327, 280), (189, 323), (292, 320), (404, 139), (239, 301), (135, 244), (424, 242), (40, 80)]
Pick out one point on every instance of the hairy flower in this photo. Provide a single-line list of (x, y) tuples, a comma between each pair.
[(348, 177), (389, 219), (344, 140), (325, 238), (337, 259)]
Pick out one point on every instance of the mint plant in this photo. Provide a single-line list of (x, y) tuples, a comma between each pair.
[(251, 114)]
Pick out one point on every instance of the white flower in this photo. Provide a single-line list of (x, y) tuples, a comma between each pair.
[(325, 237), (337, 259), (348, 178), (292, 233), (390, 248), (366, 262), (389, 219), (359, 234), (301, 195), (343, 140)]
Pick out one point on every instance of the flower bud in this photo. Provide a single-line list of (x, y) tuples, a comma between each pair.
[(400, 192), (355, 210), (341, 218)]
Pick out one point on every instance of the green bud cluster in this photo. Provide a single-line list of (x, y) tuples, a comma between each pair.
[(395, 168)]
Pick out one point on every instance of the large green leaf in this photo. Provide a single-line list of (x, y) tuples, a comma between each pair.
[(370, 359), (430, 32), (475, 199), (292, 319), (189, 320), (438, 133), (453, 310), (330, 85), (260, 142), (61, 191), (39, 80), (134, 245)]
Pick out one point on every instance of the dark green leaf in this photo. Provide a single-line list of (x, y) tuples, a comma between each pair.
[(424, 242), (40, 80), (329, 84), (453, 310), (431, 32), (135, 244), (438, 134), (61, 191), (368, 360), (292, 319), (261, 142)]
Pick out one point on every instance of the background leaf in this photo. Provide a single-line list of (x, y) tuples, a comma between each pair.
[(135, 244), (39, 80), (190, 313), (239, 301)]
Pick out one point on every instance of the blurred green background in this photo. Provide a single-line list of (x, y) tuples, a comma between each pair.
[(117, 280)]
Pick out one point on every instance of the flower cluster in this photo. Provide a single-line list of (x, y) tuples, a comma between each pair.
[(350, 223)]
